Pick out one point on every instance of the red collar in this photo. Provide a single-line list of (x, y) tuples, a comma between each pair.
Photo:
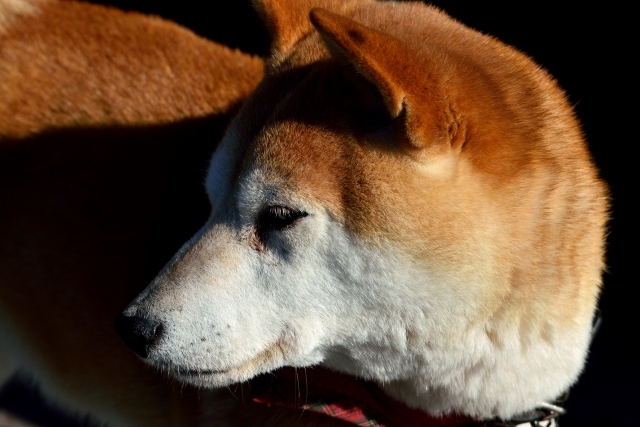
[(344, 397)]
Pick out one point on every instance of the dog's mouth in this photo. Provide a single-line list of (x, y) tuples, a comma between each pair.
[(215, 377), (269, 359), (190, 373)]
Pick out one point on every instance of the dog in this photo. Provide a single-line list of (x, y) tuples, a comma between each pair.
[(403, 200), (107, 119)]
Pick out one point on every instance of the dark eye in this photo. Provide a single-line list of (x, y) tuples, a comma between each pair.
[(276, 218)]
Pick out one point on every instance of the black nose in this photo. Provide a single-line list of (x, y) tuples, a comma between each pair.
[(138, 333)]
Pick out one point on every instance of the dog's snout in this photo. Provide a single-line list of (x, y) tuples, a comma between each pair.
[(138, 333)]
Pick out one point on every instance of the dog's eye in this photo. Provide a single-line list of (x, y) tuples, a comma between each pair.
[(277, 218)]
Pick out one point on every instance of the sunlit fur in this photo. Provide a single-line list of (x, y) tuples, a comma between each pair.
[(453, 247), (72, 64), (11, 9), (102, 113)]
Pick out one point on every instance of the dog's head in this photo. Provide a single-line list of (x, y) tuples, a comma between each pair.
[(391, 202)]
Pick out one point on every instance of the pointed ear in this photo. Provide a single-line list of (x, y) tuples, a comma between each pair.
[(409, 92), (288, 20)]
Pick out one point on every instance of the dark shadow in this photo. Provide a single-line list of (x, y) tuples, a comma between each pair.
[(23, 398), (139, 188), (88, 216)]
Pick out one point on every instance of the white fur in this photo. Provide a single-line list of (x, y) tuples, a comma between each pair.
[(318, 295)]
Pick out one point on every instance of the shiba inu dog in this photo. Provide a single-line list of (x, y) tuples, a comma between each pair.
[(402, 199), (107, 119)]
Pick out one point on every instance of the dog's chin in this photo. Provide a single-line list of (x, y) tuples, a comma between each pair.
[(209, 378), (205, 378), (267, 360)]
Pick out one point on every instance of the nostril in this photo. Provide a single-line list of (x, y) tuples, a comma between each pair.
[(138, 333)]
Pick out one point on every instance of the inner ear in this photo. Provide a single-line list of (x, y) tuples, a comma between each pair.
[(399, 75), (366, 114), (369, 115)]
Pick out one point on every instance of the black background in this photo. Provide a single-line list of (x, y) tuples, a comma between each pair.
[(590, 50)]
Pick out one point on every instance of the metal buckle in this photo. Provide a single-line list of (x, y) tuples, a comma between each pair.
[(543, 416)]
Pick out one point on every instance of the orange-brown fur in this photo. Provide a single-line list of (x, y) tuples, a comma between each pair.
[(486, 177), (107, 120), (11, 9), (73, 64), (89, 134), (513, 136)]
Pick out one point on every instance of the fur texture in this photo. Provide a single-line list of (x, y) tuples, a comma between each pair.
[(75, 64), (453, 237), (107, 121), (448, 226), (11, 9)]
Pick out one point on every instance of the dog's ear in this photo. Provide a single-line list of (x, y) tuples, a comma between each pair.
[(288, 20), (408, 93)]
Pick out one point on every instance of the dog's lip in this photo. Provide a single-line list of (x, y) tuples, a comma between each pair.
[(188, 372), (192, 375), (199, 372)]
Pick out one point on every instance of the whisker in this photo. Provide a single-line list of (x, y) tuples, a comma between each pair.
[(229, 388), (306, 394), (306, 388)]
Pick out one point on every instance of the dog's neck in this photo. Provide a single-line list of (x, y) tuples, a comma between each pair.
[(362, 403), (504, 380)]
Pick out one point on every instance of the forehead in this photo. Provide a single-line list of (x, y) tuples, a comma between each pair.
[(291, 133), (316, 132)]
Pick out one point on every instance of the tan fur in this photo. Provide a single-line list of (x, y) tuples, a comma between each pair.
[(487, 177), (527, 191), (75, 64), (87, 140), (115, 119), (11, 9), (91, 168)]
